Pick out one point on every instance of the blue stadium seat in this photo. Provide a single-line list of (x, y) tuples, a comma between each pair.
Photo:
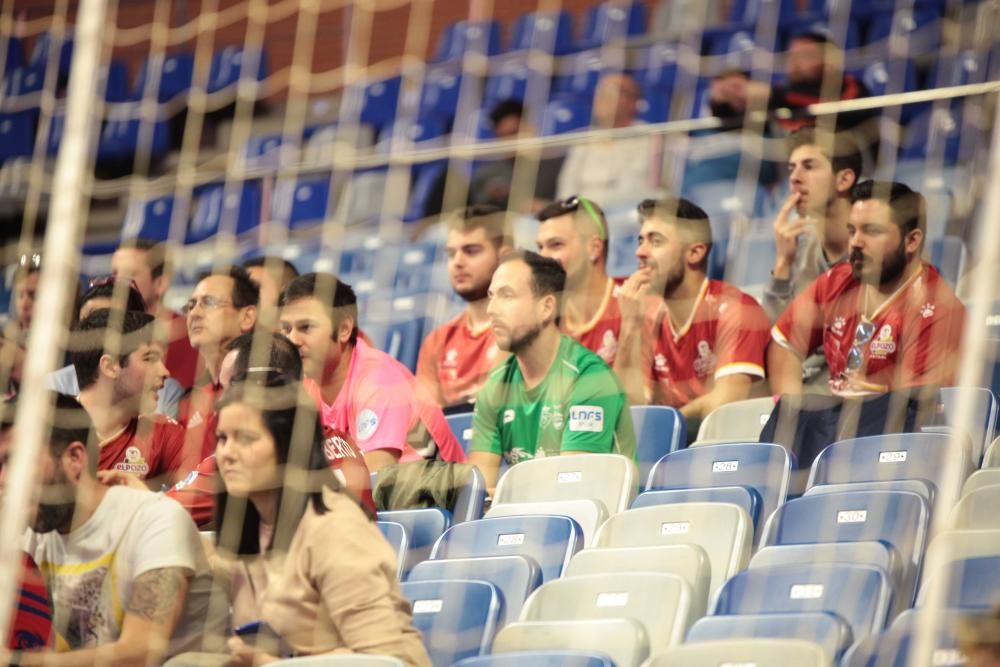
[(423, 129), (149, 219), (14, 48), (580, 74), (23, 81), (561, 116), (549, 540), (752, 261), (549, 32), (921, 28), (818, 23), (214, 210), (456, 618), (423, 527), (938, 131), (439, 93), (898, 519), (463, 37), (175, 74), (461, 426), (114, 81), (43, 49), (948, 254), (513, 80), (659, 430), (824, 628), (120, 140), (400, 339), (425, 183), (737, 495), (17, 134), (612, 22), (262, 151), (657, 66), (965, 67), (226, 69), (973, 583), (654, 106), (552, 658), (896, 646), (395, 535), (378, 106), (881, 77), (762, 468), (859, 595), (921, 487), (304, 203), (514, 576)]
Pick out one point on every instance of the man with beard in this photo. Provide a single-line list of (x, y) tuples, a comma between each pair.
[(125, 568), (574, 232), (687, 341), (551, 396), (456, 356), (886, 319)]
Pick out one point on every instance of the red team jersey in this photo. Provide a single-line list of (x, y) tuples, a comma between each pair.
[(181, 359), (199, 416), (149, 446), (455, 360), (726, 334), (917, 331), (600, 335)]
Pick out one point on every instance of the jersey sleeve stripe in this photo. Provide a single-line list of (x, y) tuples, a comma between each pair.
[(739, 368)]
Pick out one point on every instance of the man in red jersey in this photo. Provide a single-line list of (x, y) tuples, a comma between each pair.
[(687, 341), (886, 319), (574, 232), (456, 357), (145, 262), (120, 370), (365, 392)]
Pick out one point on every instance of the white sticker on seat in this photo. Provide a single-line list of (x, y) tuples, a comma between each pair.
[(892, 457), (943, 657), (852, 516), (511, 540), (427, 606), (806, 591), (725, 466), (675, 528), (569, 477), (612, 599)]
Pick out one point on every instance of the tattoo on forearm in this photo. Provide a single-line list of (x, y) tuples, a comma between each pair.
[(154, 594)]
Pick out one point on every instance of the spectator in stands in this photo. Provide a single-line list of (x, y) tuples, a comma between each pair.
[(365, 392), (271, 274), (979, 638), (120, 370), (334, 587), (222, 306), (822, 169), (31, 625), (612, 170), (574, 232), (147, 264), (551, 396), (101, 295), (687, 341), (15, 335), (129, 580), (885, 318), (456, 357)]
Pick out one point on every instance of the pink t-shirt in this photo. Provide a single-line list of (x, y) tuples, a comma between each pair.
[(382, 407)]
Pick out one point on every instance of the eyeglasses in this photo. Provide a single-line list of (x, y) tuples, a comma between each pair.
[(575, 203), (862, 335), (207, 302)]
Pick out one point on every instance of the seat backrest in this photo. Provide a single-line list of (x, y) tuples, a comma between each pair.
[(549, 540), (757, 652), (858, 594), (765, 468), (951, 545), (921, 487), (724, 531), (984, 416), (423, 528), (978, 510), (688, 561), (896, 518), (456, 618), (589, 514), (739, 420), (395, 535), (461, 426), (561, 116), (874, 554), (661, 602), (896, 647), (611, 21), (609, 478), (552, 658), (624, 640), (351, 660), (549, 32), (659, 430), (822, 628), (746, 498), (514, 576), (973, 583), (981, 479)]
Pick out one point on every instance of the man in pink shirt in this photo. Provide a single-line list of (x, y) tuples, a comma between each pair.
[(365, 392)]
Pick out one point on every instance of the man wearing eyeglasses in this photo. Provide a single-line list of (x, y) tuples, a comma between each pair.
[(886, 319), (574, 232), (687, 341)]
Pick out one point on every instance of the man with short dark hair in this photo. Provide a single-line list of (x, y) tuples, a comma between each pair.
[(456, 356), (125, 568), (885, 319), (574, 232), (687, 341), (271, 275), (551, 396), (364, 392)]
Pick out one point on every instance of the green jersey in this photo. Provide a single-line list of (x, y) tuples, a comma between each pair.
[(579, 406)]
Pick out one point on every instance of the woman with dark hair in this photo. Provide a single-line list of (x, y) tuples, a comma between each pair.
[(310, 572)]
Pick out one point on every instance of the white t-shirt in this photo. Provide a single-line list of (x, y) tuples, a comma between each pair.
[(89, 572)]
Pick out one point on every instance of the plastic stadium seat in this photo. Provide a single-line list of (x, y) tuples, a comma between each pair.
[(659, 430), (890, 76), (148, 219), (896, 518), (120, 140), (171, 76), (657, 66), (424, 188), (609, 478), (515, 78), (859, 595), (978, 510), (227, 67), (43, 49), (613, 21), (661, 602), (938, 131), (951, 545), (887, 457), (17, 134), (654, 105), (456, 618), (588, 513), (757, 652), (688, 561), (302, 203), (549, 540), (965, 67), (818, 23), (548, 32), (14, 50), (948, 254), (514, 576), (440, 91), (540, 659), (762, 468), (580, 73), (395, 535), (896, 647), (400, 339), (378, 100), (921, 29), (351, 660), (921, 487), (981, 479), (465, 37), (737, 421), (741, 496), (973, 583), (623, 640), (461, 427), (215, 210), (991, 459), (564, 115), (724, 531), (423, 528), (984, 417), (822, 628)]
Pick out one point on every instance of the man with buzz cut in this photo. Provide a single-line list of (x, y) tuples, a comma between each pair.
[(551, 396)]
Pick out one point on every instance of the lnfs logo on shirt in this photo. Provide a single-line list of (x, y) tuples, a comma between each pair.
[(588, 418)]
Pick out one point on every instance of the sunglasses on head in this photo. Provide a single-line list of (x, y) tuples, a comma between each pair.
[(575, 203)]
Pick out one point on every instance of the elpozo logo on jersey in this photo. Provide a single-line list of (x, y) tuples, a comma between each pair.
[(589, 418)]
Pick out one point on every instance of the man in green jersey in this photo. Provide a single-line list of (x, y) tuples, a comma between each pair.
[(551, 396)]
